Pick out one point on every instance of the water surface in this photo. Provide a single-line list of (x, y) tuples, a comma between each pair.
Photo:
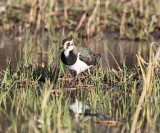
[(9, 51), (110, 47)]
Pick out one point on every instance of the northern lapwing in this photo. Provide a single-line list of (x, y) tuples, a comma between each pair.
[(77, 58)]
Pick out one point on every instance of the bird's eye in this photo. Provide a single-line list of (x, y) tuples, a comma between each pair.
[(68, 43)]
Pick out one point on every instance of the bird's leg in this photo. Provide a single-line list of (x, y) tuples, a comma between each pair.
[(75, 75), (76, 78)]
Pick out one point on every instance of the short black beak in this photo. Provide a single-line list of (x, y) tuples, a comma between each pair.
[(61, 47)]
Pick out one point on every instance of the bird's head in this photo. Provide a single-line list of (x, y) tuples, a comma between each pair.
[(68, 44)]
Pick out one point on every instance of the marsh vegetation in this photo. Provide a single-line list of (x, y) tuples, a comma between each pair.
[(37, 94)]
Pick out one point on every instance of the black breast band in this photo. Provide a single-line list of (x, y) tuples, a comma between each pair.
[(70, 60)]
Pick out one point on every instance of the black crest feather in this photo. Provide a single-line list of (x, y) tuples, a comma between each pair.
[(67, 39)]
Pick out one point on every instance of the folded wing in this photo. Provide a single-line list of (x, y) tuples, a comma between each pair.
[(87, 56)]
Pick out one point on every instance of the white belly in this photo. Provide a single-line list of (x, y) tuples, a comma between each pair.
[(79, 66)]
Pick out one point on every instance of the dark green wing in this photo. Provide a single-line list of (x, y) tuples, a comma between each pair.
[(87, 56)]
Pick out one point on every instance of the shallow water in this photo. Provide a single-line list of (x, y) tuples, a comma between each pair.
[(122, 51), (9, 51)]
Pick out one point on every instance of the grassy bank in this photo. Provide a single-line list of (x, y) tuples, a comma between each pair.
[(37, 97), (133, 19), (39, 93)]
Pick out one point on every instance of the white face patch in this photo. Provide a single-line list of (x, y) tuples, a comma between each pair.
[(66, 53), (70, 47)]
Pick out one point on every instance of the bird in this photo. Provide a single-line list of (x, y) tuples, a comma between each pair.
[(76, 58)]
